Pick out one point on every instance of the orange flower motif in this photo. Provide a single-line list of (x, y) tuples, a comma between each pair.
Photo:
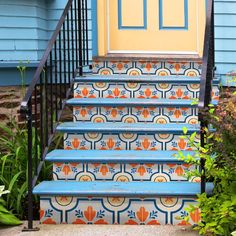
[(177, 67), (66, 170), (79, 222), (148, 66), (183, 222), (153, 222), (83, 112), (49, 222), (119, 66), (141, 170), (196, 216), (142, 214), (177, 114), (171, 165), (179, 171), (41, 214), (145, 113), (182, 144), (104, 170), (146, 144), (90, 213), (110, 143), (179, 94), (131, 222), (75, 143), (100, 222), (85, 92), (114, 112), (116, 93)]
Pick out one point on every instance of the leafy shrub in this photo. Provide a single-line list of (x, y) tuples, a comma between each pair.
[(6, 217), (14, 169), (218, 212)]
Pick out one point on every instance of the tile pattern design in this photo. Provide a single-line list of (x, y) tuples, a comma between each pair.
[(139, 90), (161, 68), (121, 172), (127, 141), (160, 115), (124, 210), (117, 210)]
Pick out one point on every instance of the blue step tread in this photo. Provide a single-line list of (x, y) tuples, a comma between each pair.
[(110, 156), (177, 79), (140, 128), (130, 102), (125, 189)]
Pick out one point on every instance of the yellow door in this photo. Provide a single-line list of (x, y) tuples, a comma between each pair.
[(153, 26)]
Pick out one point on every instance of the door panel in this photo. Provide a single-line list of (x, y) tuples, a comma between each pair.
[(161, 26)]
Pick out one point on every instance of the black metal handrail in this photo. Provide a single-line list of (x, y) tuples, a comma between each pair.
[(208, 73), (66, 54)]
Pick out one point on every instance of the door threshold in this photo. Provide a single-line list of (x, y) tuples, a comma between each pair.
[(148, 57)]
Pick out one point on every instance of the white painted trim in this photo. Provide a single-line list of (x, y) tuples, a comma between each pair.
[(155, 52), (108, 25), (197, 9)]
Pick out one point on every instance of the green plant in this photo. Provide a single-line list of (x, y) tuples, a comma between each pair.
[(6, 217), (22, 69), (14, 168), (218, 212)]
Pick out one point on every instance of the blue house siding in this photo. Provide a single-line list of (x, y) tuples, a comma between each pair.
[(23, 29), (26, 26), (225, 33)]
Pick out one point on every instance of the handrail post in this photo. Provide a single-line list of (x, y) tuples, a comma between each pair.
[(206, 86), (80, 38), (30, 169), (203, 161)]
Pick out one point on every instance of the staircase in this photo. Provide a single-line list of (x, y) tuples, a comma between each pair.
[(118, 165)]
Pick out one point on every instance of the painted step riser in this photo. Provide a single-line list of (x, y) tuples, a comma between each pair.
[(122, 172), (126, 141), (117, 210), (139, 90), (136, 114), (160, 68)]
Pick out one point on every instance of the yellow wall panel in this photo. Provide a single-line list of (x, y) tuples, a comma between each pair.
[(132, 12), (173, 14), (173, 37)]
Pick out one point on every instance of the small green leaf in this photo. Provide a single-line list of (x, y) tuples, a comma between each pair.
[(185, 130)]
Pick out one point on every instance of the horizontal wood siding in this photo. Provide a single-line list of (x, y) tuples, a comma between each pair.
[(26, 25), (225, 33), (23, 29)]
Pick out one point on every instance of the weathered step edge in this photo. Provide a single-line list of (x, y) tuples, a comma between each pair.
[(129, 102), (142, 78), (110, 156), (120, 189), (82, 127)]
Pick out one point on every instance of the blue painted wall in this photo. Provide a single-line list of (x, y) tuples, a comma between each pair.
[(26, 25), (25, 28), (225, 32)]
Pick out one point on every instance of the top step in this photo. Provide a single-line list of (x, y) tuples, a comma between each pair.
[(177, 79)]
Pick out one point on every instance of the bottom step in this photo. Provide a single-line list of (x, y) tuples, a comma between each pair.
[(134, 203)]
